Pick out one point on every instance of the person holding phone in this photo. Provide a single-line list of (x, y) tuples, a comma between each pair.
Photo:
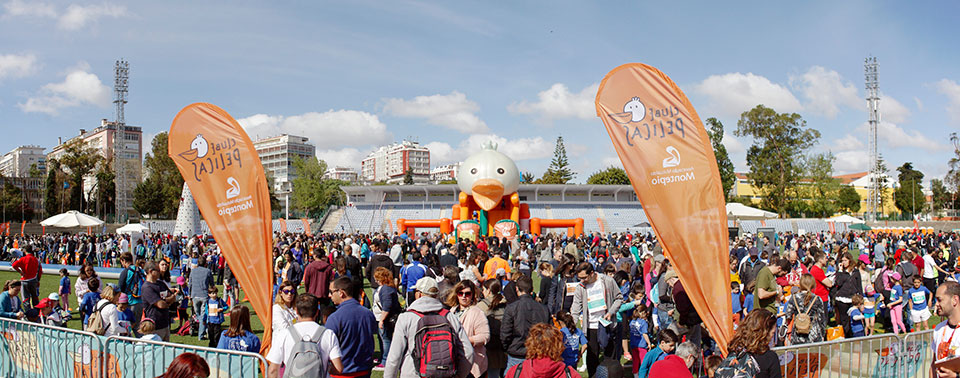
[(158, 298)]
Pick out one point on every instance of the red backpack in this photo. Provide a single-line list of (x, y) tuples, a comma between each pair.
[(435, 351)]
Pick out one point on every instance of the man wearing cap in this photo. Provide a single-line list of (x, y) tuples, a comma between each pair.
[(400, 357), (48, 316)]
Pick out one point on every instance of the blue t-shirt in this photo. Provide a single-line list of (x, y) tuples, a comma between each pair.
[(735, 300), (918, 297), (64, 285), (896, 293), (638, 328), (748, 302), (125, 319), (354, 326), (410, 274), (247, 342), (855, 325), (571, 345)]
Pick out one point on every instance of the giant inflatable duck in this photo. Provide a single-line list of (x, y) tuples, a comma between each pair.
[(488, 182)]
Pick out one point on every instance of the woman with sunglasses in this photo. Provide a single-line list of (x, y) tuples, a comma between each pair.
[(283, 307), (463, 303)]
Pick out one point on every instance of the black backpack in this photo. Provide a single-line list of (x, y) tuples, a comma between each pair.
[(435, 349)]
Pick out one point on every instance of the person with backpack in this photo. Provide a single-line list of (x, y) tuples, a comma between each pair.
[(306, 349), (105, 319), (749, 350), (130, 282), (428, 340), (544, 346), (807, 312)]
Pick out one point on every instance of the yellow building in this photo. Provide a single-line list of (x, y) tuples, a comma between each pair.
[(859, 181)]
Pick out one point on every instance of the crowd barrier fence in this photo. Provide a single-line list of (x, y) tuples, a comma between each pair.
[(877, 356), (35, 350)]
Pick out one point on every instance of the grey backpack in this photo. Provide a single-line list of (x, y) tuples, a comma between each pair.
[(305, 360)]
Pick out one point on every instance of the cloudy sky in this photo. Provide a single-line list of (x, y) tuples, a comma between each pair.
[(354, 75)]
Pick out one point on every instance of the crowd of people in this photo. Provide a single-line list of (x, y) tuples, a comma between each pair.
[(441, 307)]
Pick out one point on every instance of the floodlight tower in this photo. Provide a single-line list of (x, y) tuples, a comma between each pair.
[(121, 74), (873, 112)]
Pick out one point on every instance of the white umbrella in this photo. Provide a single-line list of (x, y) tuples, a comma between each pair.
[(72, 218), (740, 211), (132, 228), (845, 219)]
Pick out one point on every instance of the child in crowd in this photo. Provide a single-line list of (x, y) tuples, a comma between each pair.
[(639, 336), (736, 300), (636, 297), (90, 299), (148, 330), (124, 316), (574, 341), (183, 300), (668, 341), (896, 303), (711, 363), (748, 297), (856, 316), (871, 304), (921, 299), (213, 315), (64, 291)]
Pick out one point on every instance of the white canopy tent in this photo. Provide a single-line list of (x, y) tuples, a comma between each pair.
[(72, 218), (133, 228), (739, 211), (845, 219)]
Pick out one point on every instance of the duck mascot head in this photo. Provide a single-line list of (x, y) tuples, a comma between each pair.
[(487, 176)]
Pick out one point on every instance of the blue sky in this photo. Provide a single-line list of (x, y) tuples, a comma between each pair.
[(353, 75)]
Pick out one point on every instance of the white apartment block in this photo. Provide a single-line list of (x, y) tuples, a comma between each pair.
[(444, 172), (277, 155), (17, 163), (390, 163), (349, 175)]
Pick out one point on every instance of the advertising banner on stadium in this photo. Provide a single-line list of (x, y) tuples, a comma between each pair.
[(667, 154), (222, 169)]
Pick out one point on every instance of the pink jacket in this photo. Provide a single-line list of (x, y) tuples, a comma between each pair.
[(475, 325)]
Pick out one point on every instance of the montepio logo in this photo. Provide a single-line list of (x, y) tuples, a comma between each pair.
[(640, 123), (208, 158)]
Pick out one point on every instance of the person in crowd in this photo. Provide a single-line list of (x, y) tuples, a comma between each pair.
[(677, 364), (30, 274), (187, 365), (213, 309), (131, 283), (921, 300), (165, 274), (10, 300), (306, 327), (64, 289), (239, 336), (284, 313), (157, 299), (895, 304), (400, 361), (944, 345), (805, 301), (518, 317), (80, 287), (574, 341), (493, 264), (380, 259), (48, 315), (818, 270), (665, 346), (855, 313), (846, 286), (493, 307), (125, 317), (639, 335), (409, 275), (90, 299), (546, 282), (107, 305), (148, 330), (463, 303), (386, 308), (292, 271), (767, 291), (544, 355), (317, 276), (595, 303), (753, 338), (451, 276), (199, 280), (354, 325)]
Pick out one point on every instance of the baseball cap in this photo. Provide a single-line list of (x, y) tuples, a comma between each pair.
[(181, 280), (659, 258), (895, 276), (754, 251), (45, 303), (54, 297), (501, 272), (123, 298), (427, 285)]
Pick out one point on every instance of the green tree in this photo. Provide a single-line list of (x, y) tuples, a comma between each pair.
[(527, 178), (105, 191), (446, 182), (823, 189), (559, 171), (848, 200), (609, 176), (883, 183), (952, 179), (35, 171), (148, 197), (79, 161), (275, 205), (51, 188), (727, 177), (775, 156), (311, 192), (160, 167), (941, 196), (408, 177), (909, 196)]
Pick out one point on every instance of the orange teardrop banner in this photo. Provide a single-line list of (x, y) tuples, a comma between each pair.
[(222, 169), (667, 154)]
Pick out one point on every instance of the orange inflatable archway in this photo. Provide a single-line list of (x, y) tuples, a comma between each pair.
[(444, 224), (574, 226)]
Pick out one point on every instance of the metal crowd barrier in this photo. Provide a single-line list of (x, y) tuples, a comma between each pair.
[(35, 350), (877, 356)]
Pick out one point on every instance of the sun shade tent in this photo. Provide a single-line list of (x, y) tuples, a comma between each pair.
[(740, 211), (72, 218), (845, 219), (133, 228)]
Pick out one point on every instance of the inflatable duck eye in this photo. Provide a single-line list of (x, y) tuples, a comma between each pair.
[(500, 171), (473, 171)]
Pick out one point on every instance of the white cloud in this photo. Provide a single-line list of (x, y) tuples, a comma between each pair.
[(558, 102), (517, 149), (16, 66), (892, 110), (919, 103), (731, 94), (611, 161), (328, 130), (347, 157), (733, 145), (825, 91), (576, 149), (951, 89), (80, 87), (851, 161), (30, 9), (79, 16), (896, 136), (847, 143), (453, 111)]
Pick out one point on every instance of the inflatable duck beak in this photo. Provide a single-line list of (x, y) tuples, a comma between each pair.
[(487, 193)]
